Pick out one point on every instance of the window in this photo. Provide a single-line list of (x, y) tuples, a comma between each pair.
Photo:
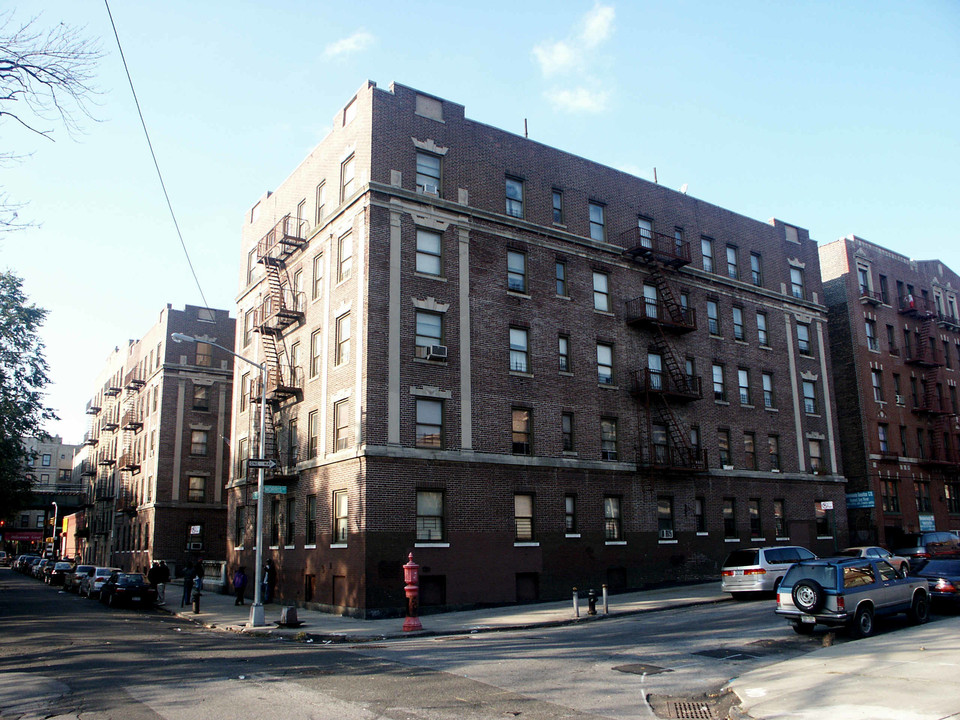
[(921, 490), (345, 257), (561, 278), (796, 283), (876, 380), (903, 440), (723, 447), (598, 229), (713, 317), (605, 364), (566, 430), (665, 517), (733, 269), (428, 173), (523, 516), (350, 112), (809, 397), (341, 434), (756, 273), (343, 339), (301, 217), (429, 331), (516, 271), (198, 442), (601, 295), (753, 514), (239, 525), (729, 518), (519, 350), (204, 354), (311, 536), (563, 348), (882, 435), (243, 453), (872, 342), (340, 516), (816, 464), (889, 497), (863, 278), (779, 523), (767, 379), (313, 433), (645, 231), (321, 202), (275, 522), (951, 493), (316, 352), (522, 426), (612, 520), (699, 518), (750, 450), (822, 522), (570, 513), (428, 252), (317, 277), (514, 191), (655, 370), (291, 518), (429, 515), (884, 292), (743, 382), (196, 489), (346, 178), (608, 439), (719, 392), (803, 338), (557, 206), (762, 329), (738, 324), (201, 400), (706, 249), (429, 423)]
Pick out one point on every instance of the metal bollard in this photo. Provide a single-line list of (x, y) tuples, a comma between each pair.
[(606, 605), (592, 602), (576, 603), (196, 601)]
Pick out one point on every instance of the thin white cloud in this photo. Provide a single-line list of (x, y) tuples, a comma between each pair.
[(579, 100), (555, 58), (598, 25), (360, 40)]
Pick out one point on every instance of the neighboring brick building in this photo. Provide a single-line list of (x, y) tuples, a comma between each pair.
[(157, 451), (491, 353), (895, 341)]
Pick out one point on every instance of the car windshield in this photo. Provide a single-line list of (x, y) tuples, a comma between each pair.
[(62, 566), (825, 575), (739, 558), (130, 579)]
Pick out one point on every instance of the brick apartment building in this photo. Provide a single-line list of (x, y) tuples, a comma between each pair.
[(157, 449), (895, 342), (532, 371)]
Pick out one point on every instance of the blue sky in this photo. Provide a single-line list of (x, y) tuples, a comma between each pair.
[(838, 117)]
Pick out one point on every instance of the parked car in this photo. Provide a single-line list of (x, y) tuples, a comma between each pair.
[(5, 559), (129, 589), (56, 572), (91, 584), (943, 579), (41, 567), (873, 551), (849, 592), (26, 563), (753, 570), (71, 580), (927, 545)]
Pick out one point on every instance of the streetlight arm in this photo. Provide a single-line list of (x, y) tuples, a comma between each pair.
[(181, 338)]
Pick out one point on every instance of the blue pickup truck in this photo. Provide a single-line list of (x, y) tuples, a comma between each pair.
[(849, 592)]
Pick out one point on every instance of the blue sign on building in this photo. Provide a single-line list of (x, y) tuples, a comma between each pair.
[(860, 500)]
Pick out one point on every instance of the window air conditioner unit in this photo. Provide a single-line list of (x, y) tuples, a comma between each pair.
[(437, 352), (666, 534), (431, 189), (195, 546), (899, 399)]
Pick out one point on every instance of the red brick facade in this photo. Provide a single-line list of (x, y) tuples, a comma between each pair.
[(600, 466)]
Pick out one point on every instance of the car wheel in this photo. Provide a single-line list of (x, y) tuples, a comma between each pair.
[(803, 628), (808, 595), (862, 622), (919, 611)]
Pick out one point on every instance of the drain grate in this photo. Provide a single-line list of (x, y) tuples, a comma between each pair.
[(641, 669), (693, 711)]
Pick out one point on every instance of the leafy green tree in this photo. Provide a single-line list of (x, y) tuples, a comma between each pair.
[(23, 377)]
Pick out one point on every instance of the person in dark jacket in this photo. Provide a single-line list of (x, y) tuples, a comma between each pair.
[(163, 577), (239, 584), (188, 578), (269, 581)]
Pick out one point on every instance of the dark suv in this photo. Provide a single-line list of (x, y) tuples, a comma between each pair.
[(849, 592), (916, 546)]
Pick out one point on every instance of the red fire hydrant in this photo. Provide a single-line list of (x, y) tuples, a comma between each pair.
[(411, 576)]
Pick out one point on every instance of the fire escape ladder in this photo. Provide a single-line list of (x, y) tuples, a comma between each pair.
[(675, 311), (682, 452), (931, 403), (675, 371)]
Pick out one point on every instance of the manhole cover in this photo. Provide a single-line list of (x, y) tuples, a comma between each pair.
[(693, 711), (641, 669)]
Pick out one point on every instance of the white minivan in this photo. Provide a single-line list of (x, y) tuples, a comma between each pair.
[(757, 570)]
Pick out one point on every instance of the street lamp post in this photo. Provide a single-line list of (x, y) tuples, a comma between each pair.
[(257, 618), (56, 511)]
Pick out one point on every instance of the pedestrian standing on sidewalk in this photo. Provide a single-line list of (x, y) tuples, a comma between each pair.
[(239, 584), (269, 581), (163, 577), (153, 577), (188, 578)]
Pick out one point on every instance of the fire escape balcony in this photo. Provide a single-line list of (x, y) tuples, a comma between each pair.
[(129, 463), (283, 239), (126, 502), (951, 322), (938, 457), (110, 423), (932, 406), (648, 383), (132, 421), (642, 312), (672, 458), (92, 408), (104, 492), (283, 383), (645, 246), (88, 469), (132, 381), (106, 462), (913, 305), (870, 297), (112, 390), (279, 312), (90, 439), (922, 355)]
